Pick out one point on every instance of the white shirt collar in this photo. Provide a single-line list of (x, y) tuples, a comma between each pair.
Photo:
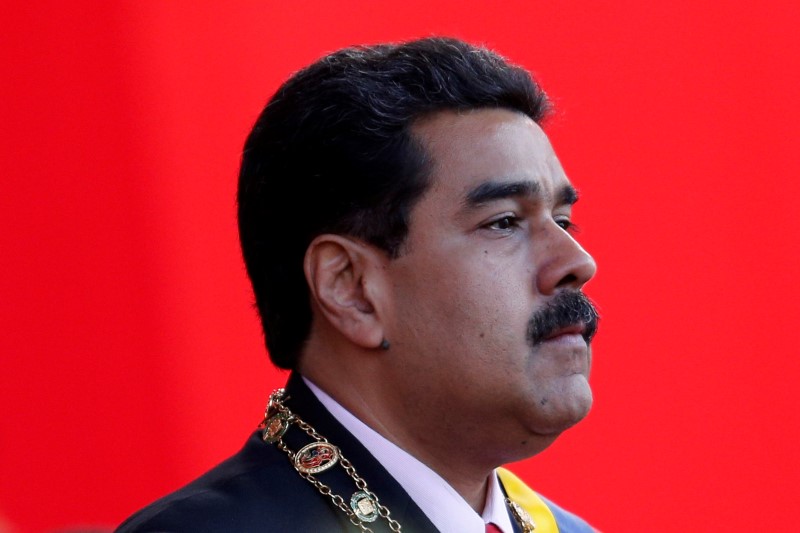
[(448, 511)]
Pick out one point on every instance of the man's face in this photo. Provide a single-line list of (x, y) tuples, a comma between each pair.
[(489, 247)]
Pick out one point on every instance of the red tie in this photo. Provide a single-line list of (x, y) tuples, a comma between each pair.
[(491, 528)]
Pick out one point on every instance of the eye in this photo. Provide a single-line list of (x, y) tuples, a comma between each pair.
[(504, 223), (567, 225)]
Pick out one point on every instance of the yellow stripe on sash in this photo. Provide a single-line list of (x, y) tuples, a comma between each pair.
[(523, 495)]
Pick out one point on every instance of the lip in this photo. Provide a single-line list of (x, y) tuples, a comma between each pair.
[(567, 333)]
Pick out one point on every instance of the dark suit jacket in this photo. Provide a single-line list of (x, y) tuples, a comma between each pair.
[(259, 490)]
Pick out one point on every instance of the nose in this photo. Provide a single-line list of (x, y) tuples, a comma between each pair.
[(563, 264)]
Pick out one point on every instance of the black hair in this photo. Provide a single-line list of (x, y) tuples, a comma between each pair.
[(333, 152)]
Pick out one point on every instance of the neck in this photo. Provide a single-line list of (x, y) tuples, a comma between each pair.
[(469, 482)]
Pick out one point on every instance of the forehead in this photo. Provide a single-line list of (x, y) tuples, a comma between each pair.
[(471, 148)]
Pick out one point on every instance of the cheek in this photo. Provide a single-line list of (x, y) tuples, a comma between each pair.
[(455, 301), (474, 329)]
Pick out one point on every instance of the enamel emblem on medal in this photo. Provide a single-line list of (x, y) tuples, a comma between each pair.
[(275, 426), (364, 507), (316, 457)]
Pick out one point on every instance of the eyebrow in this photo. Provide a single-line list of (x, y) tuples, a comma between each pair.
[(568, 195), (492, 191)]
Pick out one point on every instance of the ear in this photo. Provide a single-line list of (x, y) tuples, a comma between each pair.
[(344, 277)]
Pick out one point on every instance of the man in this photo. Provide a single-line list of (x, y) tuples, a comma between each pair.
[(407, 230)]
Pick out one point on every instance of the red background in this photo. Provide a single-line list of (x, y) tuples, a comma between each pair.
[(131, 356)]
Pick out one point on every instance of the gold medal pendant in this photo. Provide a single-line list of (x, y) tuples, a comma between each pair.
[(275, 427), (364, 507), (316, 457)]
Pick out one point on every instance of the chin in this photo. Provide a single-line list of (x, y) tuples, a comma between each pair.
[(560, 411)]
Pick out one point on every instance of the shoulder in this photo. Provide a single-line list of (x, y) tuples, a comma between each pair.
[(568, 522), (255, 490)]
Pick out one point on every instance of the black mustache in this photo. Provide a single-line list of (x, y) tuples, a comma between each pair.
[(566, 309)]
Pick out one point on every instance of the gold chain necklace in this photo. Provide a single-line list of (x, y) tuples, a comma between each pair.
[(321, 455)]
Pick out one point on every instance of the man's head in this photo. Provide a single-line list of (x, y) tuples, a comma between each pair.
[(334, 152), (408, 193)]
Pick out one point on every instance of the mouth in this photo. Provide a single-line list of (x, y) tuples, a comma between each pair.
[(573, 332)]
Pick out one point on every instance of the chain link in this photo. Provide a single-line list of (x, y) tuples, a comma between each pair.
[(337, 500)]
